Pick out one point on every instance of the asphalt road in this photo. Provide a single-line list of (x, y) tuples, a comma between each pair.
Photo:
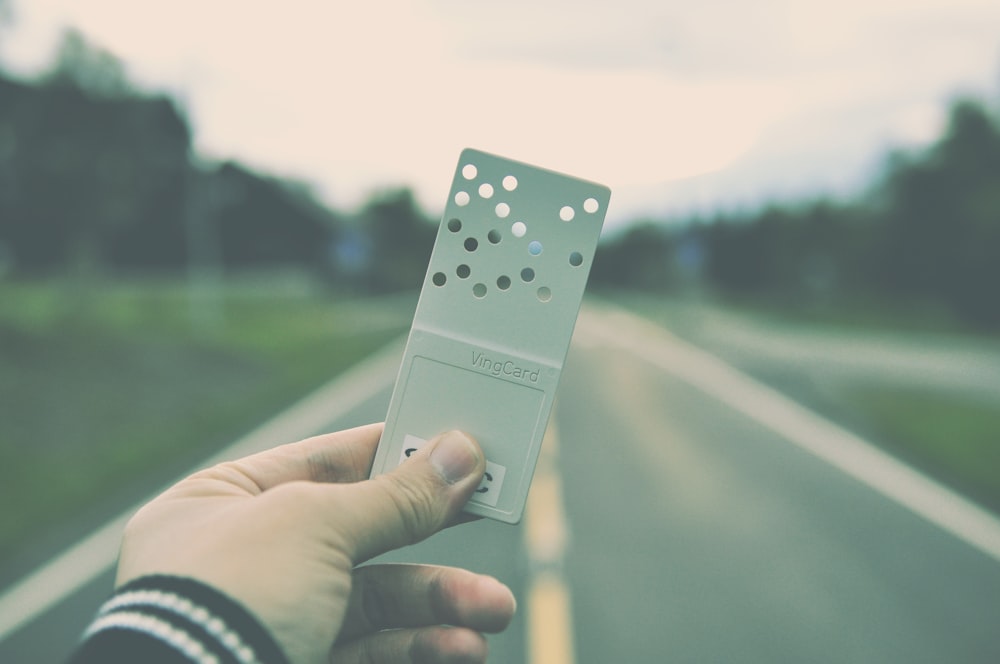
[(697, 534)]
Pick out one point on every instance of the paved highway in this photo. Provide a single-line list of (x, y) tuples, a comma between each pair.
[(684, 512), (702, 535)]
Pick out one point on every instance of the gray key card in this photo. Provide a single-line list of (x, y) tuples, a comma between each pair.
[(494, 320)]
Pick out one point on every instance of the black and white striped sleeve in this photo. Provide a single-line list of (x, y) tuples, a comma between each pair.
[(172, 620)]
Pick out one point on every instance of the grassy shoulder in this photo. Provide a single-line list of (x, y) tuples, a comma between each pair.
[(956, 438), (100, 388), (951, 434)]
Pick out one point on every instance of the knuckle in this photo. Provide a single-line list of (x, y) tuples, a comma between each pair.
[(440, 599)]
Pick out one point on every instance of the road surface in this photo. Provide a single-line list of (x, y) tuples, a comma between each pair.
[(685, 513)]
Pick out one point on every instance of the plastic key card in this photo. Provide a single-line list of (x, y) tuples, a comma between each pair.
[(494, 321)]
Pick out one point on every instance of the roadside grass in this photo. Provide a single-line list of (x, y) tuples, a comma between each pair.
[(858, 314), (953, 436), (868, 314), (104, 387)]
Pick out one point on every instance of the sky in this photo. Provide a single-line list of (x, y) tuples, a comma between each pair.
[(678, 107)]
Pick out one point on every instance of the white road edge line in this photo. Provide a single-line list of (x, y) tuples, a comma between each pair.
[(844, 450), (77, 565)]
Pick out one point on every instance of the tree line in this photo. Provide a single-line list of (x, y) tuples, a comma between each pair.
[(96, 176), (926, 233)]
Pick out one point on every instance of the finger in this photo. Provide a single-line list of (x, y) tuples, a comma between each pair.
[(421, 496), (344, 456), (429, 645), (395, 596)]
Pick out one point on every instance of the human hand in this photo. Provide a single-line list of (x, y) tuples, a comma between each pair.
[(283, 531)]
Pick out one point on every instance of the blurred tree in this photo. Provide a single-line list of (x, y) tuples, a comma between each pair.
[(401, 237), (940, 231), (757, 255), (794, 254), (83, 175), (929, 231), (93, 174), (642, 257), (84, 169), (263, 222), (101, 177), (831, 249), (81, 64)]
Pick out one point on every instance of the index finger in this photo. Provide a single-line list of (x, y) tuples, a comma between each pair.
[(392, 596), (340, 457)]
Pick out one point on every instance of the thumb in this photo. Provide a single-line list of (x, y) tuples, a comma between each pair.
[(414, 501)]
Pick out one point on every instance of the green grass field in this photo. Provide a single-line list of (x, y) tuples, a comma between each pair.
[(954, 437), (101, 388)]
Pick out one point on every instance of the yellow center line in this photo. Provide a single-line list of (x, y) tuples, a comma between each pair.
[(549, 614)]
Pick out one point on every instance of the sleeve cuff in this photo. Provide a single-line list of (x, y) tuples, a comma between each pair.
[(171, 619)]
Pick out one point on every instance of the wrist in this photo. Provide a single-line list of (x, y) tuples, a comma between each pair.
[(168, 613)]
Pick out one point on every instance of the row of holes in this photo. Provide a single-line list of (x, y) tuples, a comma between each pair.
[(464, 271), (566, 212), (534, 248), (469, 172), (544, 293), (517, 229)]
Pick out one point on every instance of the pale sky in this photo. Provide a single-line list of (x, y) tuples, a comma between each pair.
[(675, 106)]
